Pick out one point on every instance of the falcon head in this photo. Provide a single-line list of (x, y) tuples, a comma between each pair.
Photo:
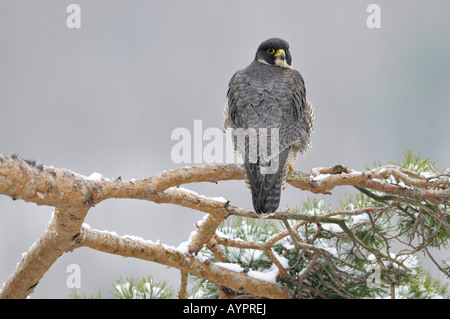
[(274, 51)]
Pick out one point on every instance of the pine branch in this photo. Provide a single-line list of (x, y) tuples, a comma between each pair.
[(183, 285), (73, 195), (60, 236), (132, 247)]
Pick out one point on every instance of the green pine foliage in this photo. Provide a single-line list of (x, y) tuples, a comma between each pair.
[(248, 230), (422, 286), (245, 229), (416, 163), (82, 295), (146, 288)]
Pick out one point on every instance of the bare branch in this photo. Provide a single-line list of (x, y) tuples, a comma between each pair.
[(183, 285), (131, 247), (60, 236)]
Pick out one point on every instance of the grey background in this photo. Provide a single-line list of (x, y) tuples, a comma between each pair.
[(106, 98)]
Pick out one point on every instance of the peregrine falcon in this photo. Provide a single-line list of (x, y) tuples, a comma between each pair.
[(271, 120)]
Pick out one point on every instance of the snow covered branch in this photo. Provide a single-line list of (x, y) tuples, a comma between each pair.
[(128, 246), (391, 188)]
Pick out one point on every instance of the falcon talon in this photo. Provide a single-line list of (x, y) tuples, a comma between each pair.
[(267, 99)]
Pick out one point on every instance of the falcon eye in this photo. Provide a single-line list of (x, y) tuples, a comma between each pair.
[(270, 51)]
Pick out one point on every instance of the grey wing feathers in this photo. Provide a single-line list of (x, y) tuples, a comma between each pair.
[(262, 96)]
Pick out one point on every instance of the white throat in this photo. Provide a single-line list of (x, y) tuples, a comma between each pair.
[(280, 63)]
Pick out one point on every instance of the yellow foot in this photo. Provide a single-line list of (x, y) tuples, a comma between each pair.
[(291, 167), (284, 187)]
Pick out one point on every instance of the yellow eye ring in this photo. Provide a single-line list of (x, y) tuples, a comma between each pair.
[(270, 51)]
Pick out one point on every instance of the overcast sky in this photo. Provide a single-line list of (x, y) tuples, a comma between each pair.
[(106, 98)]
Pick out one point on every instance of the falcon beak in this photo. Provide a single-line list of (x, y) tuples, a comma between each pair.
[(280, 59), (280, 55)]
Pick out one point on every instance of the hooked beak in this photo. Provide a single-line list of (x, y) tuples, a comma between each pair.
[(280, 59), (280, 55)]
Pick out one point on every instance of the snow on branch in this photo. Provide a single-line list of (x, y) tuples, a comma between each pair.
[(173, 257), (73, 195)]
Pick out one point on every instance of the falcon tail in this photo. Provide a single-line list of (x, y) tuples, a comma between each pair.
[(269, 202), (266, 188)]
